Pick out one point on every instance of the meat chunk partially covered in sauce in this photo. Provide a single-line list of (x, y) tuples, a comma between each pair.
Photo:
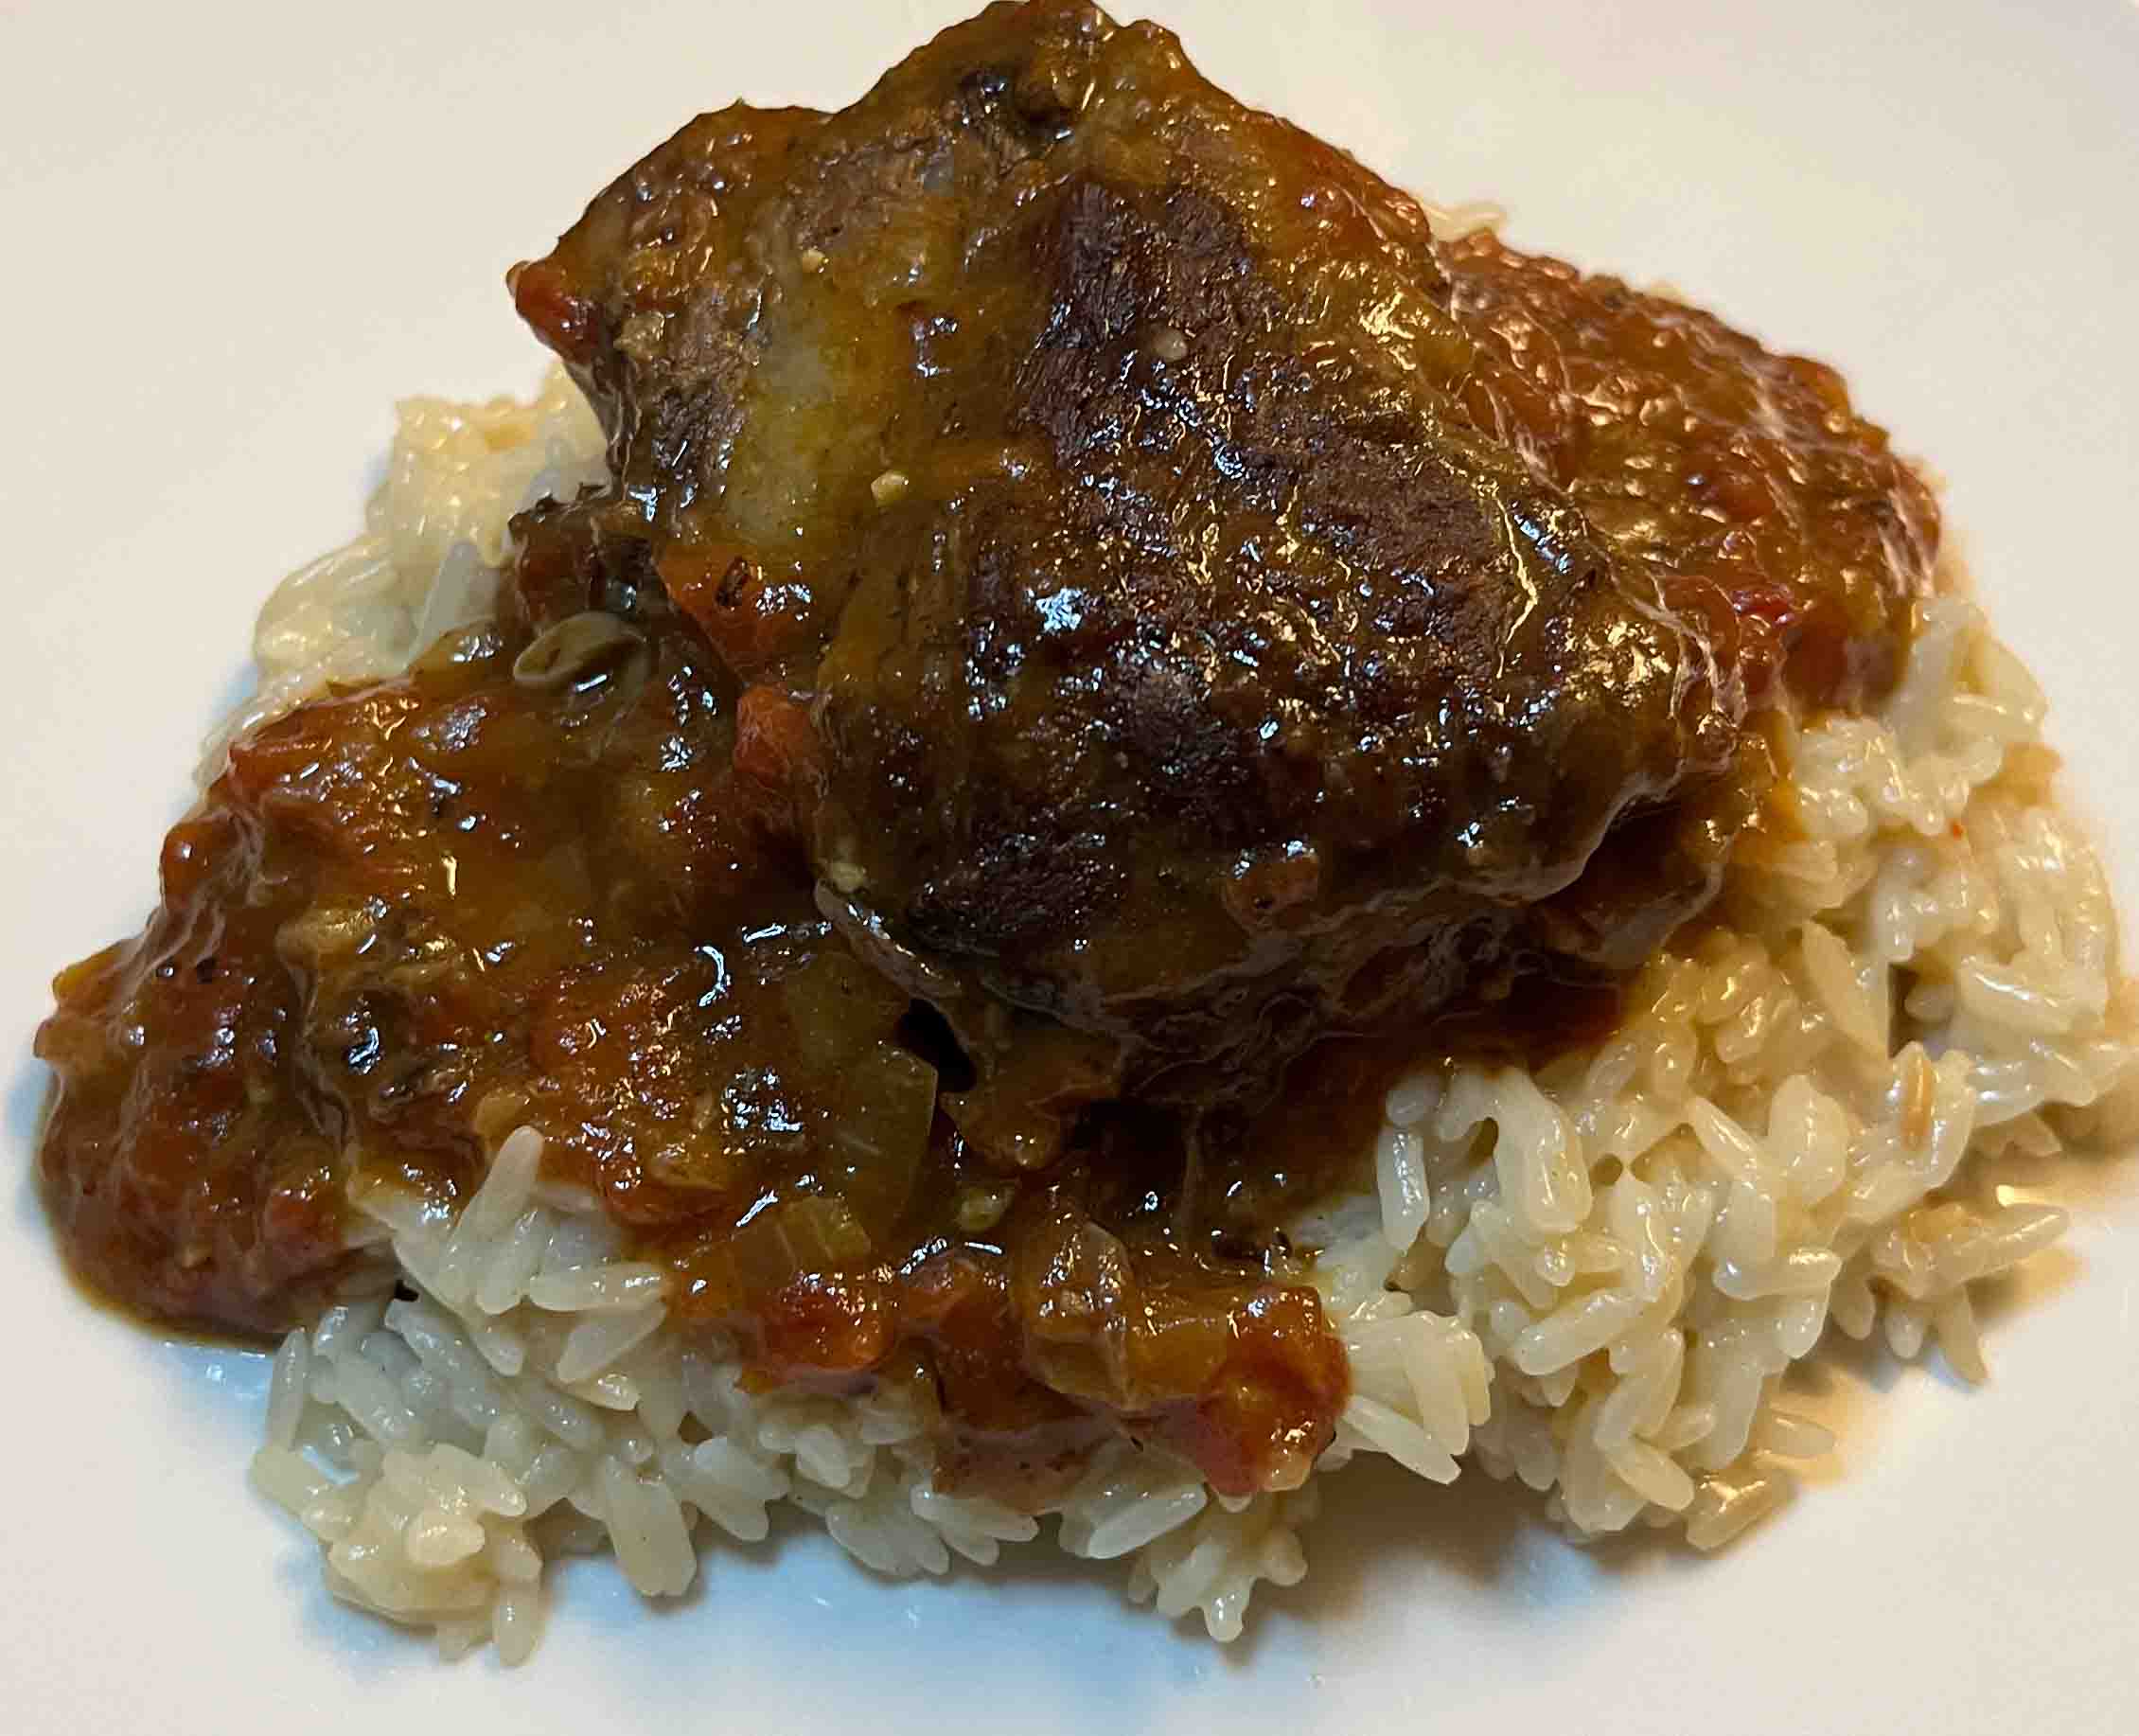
[(1102, 629), (1225, 613)]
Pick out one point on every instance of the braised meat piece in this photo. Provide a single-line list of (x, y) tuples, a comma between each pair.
[(1222, 614)]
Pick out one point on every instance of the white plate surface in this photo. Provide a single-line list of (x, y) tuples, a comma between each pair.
[(234, 234)]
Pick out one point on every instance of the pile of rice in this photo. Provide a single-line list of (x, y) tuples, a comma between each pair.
[(1591, 1278)]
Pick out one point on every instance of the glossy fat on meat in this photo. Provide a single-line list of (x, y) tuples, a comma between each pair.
[(1223, 613)]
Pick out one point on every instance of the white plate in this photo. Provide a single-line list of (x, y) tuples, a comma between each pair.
[(233, 235)]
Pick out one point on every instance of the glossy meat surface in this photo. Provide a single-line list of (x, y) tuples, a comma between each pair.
[(1226, 615)]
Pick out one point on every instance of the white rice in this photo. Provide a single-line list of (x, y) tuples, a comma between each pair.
[(1592, 1279)]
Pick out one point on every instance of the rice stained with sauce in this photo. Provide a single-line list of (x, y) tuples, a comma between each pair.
[(1591, 1278)]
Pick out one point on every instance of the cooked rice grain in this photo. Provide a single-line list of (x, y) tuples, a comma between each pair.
[(1592, 1279)]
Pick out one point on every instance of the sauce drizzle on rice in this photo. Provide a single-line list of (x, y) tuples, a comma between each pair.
[(520, 1034)]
